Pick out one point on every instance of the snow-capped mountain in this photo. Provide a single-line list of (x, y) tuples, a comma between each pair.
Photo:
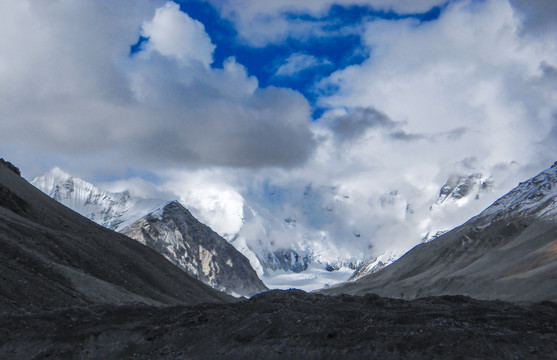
[(374, 265), (112, 210), (457, 192), (459, 187), (310, 234), (196, 249), (164, 226), (293, 248), (275, 246), (536, 197), (506, 252)]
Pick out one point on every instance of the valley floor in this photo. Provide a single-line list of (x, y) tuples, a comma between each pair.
[(289, 324)]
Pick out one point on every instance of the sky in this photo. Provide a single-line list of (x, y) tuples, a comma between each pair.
[(342, 115)]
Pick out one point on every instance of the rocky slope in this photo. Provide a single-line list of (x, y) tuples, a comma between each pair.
[(196, 249), (509, 251), (290, 325), (374, 265), (53, 257), (177, 235)]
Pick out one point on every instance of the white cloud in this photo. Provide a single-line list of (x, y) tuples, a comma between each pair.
[(210, 197), (173, 33), (471, 69), (73, 93), (299, 62), (262, 22), (478, 83), (470, 92)]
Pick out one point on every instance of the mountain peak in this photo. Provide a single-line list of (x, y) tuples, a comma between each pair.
[(459, 188), (111, 210), (534, 197), (10, 166), (175, 233), (54, 175), (56, 171)]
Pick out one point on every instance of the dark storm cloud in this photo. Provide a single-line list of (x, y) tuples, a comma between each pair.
[(549, 71), (402, 135), (451, 135), (540, 14), (456, 134), (360, 119), (268, 129)]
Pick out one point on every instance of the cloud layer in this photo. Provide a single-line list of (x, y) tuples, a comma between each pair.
[(262, 22), (468, 93), (70, 86), (473, 91)]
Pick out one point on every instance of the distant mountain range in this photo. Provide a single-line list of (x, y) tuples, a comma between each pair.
[(74, 289), (509, 252), (275, 247)]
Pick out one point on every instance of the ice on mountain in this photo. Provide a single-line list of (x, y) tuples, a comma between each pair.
[(112, 210)]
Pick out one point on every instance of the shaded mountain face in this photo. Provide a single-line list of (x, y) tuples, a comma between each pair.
[(196, 249), (53, 257), (507, 252)]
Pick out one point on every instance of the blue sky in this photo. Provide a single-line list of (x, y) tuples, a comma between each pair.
[(334, 50)]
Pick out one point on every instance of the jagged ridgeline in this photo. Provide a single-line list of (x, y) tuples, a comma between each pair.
[(8, 165)]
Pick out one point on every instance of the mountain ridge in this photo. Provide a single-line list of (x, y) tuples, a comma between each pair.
[(507, 252), (53, 257), (111, 210)]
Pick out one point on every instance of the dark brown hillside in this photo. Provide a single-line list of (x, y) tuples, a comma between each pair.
[(53, 257)]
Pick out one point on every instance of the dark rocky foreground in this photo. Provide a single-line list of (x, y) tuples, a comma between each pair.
[(289, 324)]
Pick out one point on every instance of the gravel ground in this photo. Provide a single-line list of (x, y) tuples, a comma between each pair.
[(289, 324)]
